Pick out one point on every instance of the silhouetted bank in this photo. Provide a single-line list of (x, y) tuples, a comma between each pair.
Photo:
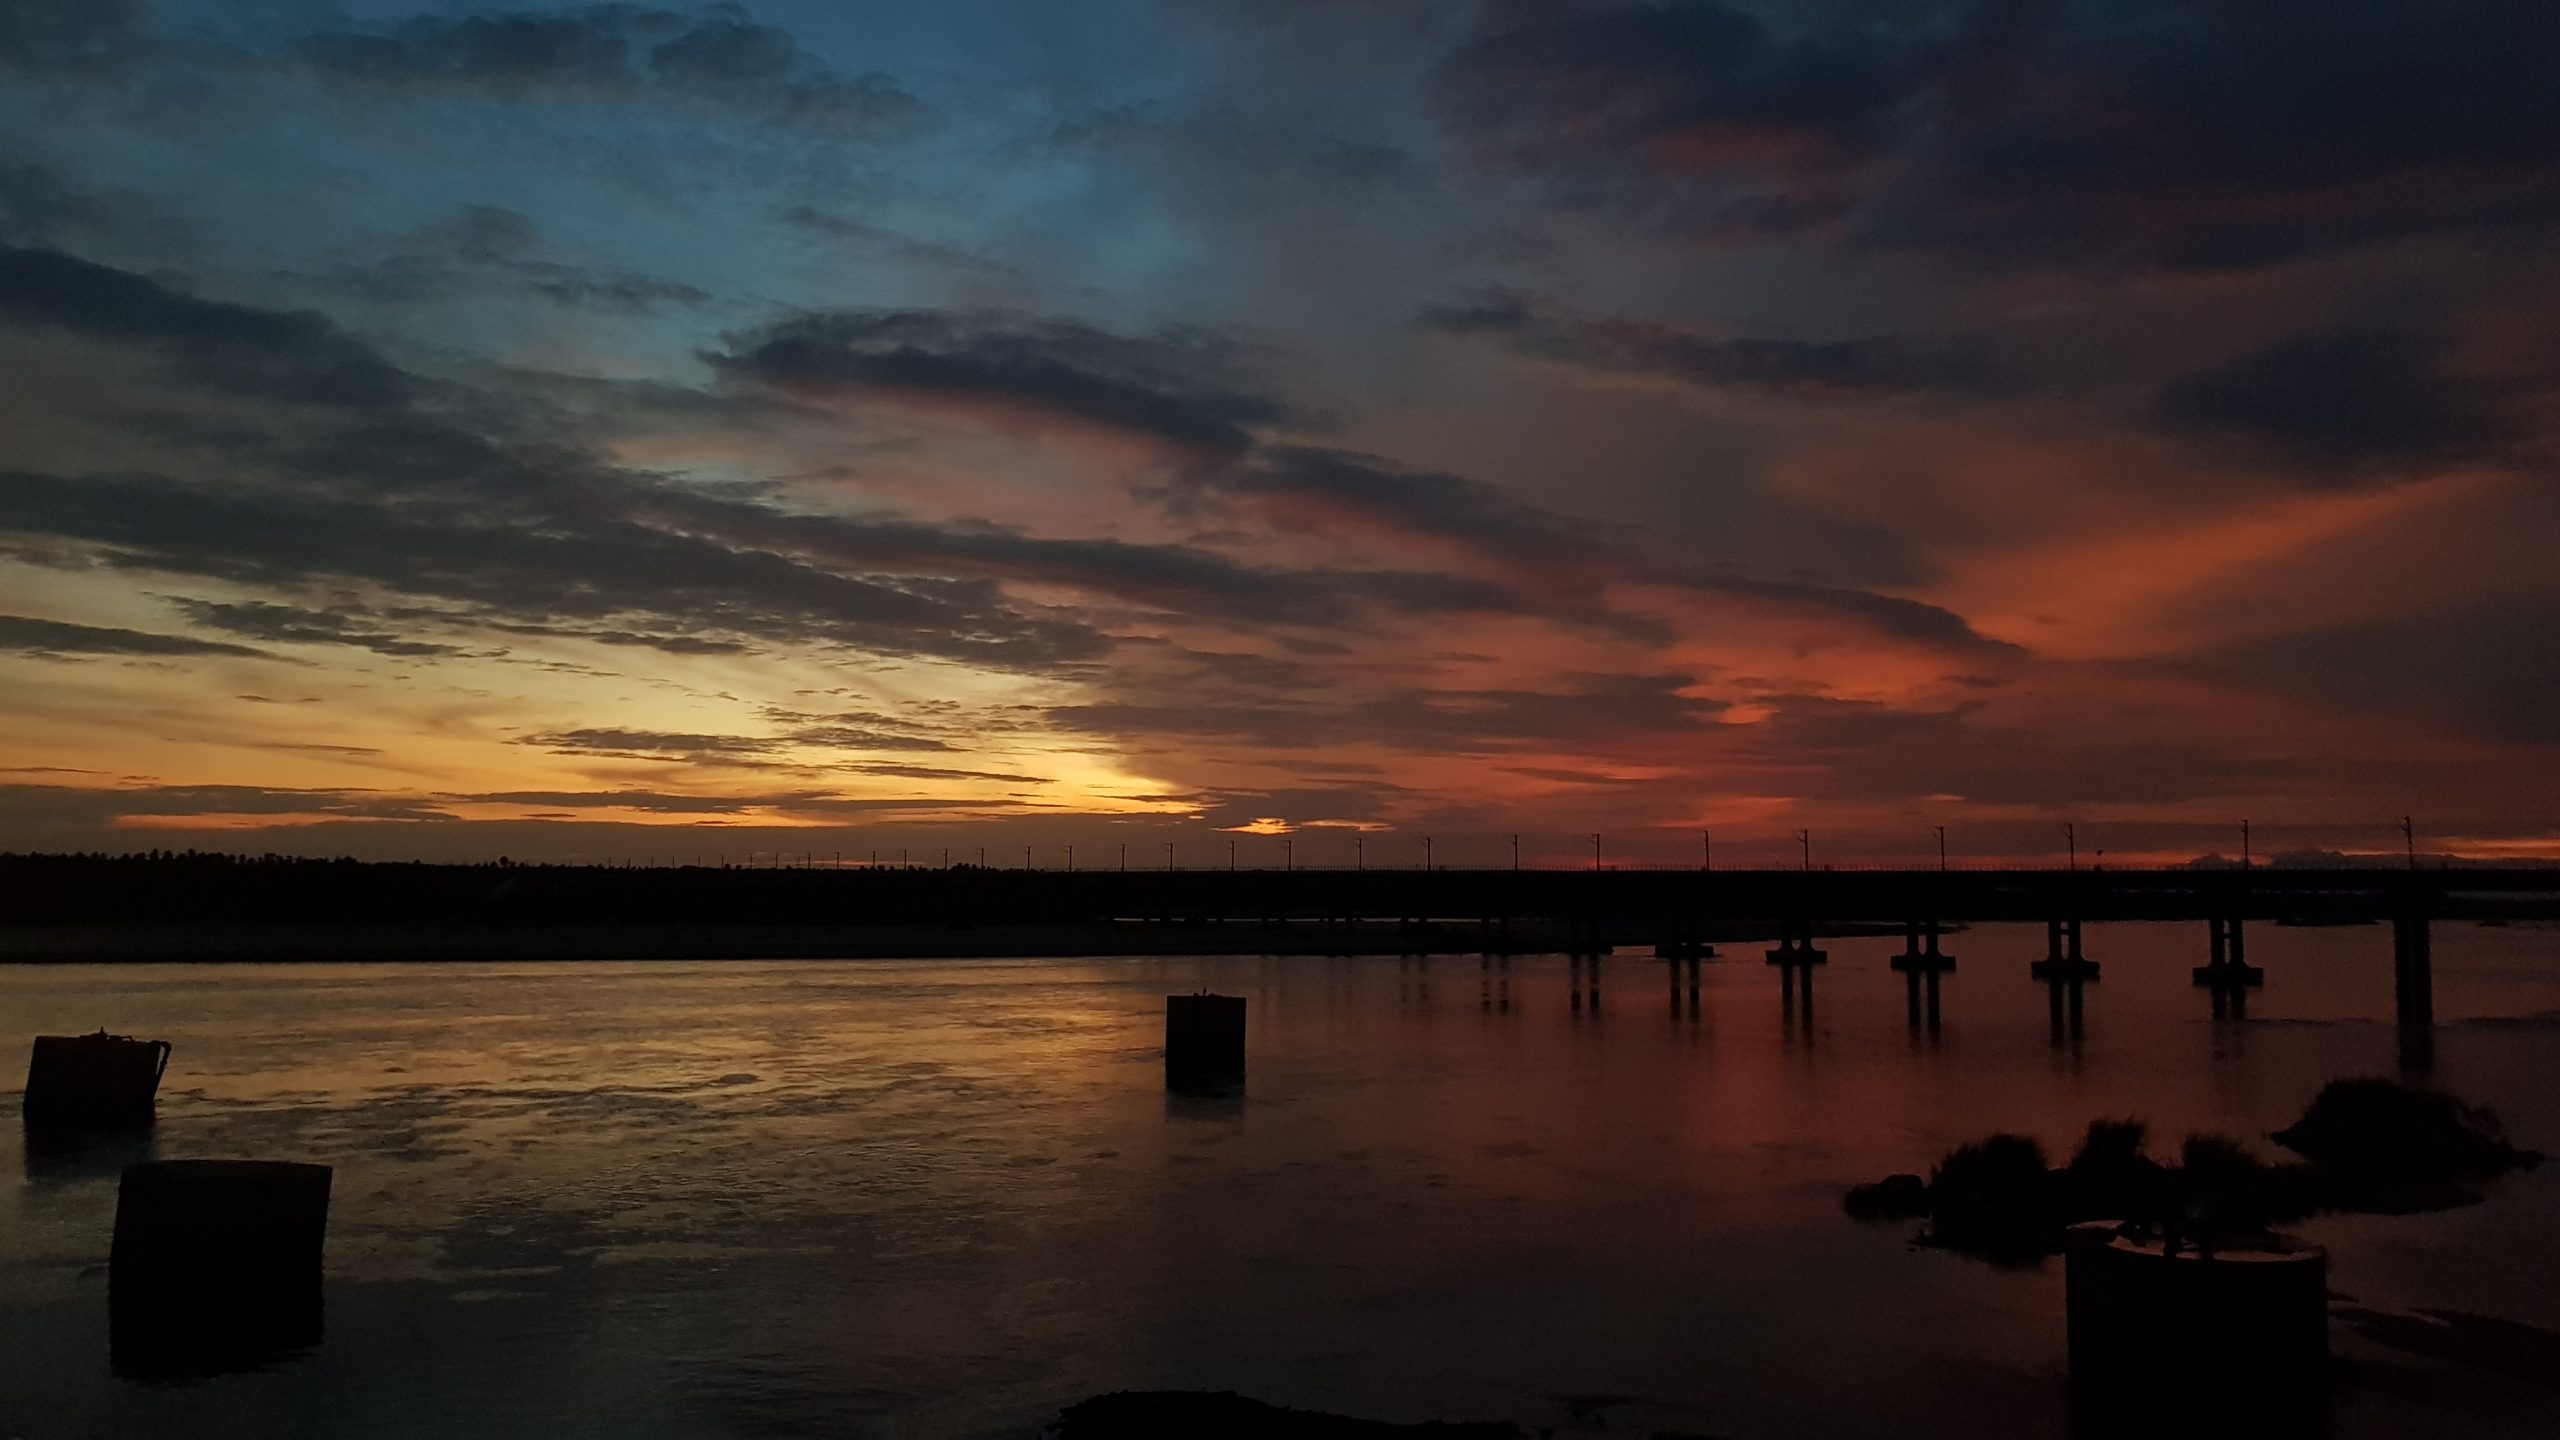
[(180, 907), (2370, 1145), (1201, 1414)]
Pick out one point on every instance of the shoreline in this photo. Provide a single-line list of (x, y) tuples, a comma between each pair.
[(316, 943)]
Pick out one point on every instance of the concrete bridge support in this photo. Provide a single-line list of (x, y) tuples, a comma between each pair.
[(1796, 959), (2413, 966), (1920, 964), (2063, 960), (2227, 966)]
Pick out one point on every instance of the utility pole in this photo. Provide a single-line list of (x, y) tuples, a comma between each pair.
[(2244, 845), (1804, 841), (1231, 856), (1359, 852), (1026, 857), (2409, 838), (1288, 854), (1124, 855), (1071, 859), (1595, 854), (1168, 857), (1942, 849), (1515, 850), (2071, 844), (1707, 849), (1426, 852)]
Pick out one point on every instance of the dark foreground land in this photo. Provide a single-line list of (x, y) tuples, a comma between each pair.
[(211, 907)]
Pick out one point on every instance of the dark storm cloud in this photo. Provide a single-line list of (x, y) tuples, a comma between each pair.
[(27, 635), (1311, 486), (929, 772), (1229, 150), (1373, 493), (525, 562), (295, 356), (483, 247), (803, 803), (2197, 133), (104, 808), (1789, 369), (2492, 669), (1186, 388), (67, 36), (1860, 751), (38, 206), (620, 52), (1441, 722), (294, 625), (75, 805), (650, 744), (2344, 404), (546, 536)]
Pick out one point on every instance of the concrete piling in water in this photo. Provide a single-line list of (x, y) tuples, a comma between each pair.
[(1796, 958), (216, 1263), (2413, 966), (93, 1082), (2227, 964), (1203, 1041), (2063, 959), (1920, 952), (2229, 1340), (1920, 965)]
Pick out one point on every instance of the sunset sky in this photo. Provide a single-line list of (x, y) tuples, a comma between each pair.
[(435, 430)]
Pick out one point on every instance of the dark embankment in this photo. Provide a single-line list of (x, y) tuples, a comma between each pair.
[(1201, 1414), (2369, 1145), (200, 907)]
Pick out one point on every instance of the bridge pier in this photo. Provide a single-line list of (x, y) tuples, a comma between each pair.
[(1920, 952), (1796, 958), (2062, 958), (2228, 967), (2413, 966), (1674, 969), (2065, 997)]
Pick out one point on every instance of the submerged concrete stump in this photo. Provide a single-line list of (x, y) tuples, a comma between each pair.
[(216, 1263), (2228, 1342), (1203, 1041), (93, 1082)]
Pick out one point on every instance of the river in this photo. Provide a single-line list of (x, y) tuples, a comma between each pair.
[(881, 1198)]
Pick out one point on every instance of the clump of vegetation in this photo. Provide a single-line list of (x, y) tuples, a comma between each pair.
[(2375, 1128), (2369, 1145), (1994, 1197)]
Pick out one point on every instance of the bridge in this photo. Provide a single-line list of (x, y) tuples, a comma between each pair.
[(1681, 915)]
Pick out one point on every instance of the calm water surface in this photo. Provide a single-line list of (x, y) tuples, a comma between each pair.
[(942, 1199)]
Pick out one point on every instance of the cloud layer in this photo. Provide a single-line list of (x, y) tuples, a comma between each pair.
[(565, 429)]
